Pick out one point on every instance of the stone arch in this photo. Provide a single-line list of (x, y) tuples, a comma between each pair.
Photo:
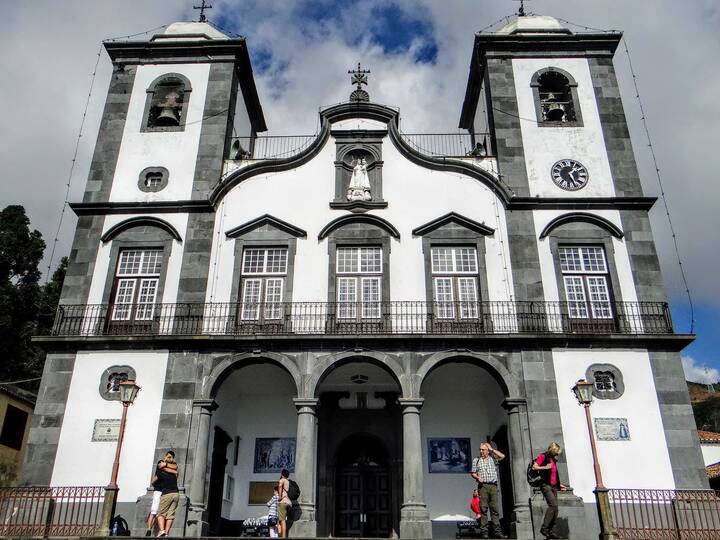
[(368, 219), (140, 221), (494, 367), (211, 383), (582, 217), (325, 365)]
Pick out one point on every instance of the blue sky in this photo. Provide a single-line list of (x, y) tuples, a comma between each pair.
[(419, 52)]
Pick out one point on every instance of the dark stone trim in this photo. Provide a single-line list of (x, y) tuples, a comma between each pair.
[(194, 52), (578, 122), (140, 221), (102, 388), (617, 375), (153, 189), (598, 221), (187, 90), (359, 218), (358, 206), (153, 207), (266, 219), (452, 217), (581, 203), (375, 134)]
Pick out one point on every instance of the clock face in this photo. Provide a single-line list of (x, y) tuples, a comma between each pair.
[(569, 174)]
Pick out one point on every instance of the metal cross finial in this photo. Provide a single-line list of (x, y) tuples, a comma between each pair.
[(359, 76), (521, 10), (202, 7)]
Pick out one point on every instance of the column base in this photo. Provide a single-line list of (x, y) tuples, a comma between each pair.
[(197, 524), (522, 521), (415, 521)]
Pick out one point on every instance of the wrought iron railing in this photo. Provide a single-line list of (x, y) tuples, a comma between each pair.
[(51, 511), (370, 318), (429, 144), (665, 514)]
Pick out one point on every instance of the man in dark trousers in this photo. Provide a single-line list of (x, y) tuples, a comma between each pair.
[(547, 464), (484, 471)]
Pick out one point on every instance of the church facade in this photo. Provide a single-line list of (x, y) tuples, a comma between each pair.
[(364, 307)]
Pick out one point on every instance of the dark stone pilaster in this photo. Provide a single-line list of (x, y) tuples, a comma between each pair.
[(195, 267), (81, 267), (112, 127), (47, 420)]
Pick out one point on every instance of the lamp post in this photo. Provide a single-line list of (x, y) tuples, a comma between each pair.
[(583, 393), (128, 392)]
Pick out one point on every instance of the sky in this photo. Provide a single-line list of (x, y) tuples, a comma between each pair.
[(418, 52)]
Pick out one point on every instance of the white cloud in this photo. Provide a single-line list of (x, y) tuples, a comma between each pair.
[(699, 373)]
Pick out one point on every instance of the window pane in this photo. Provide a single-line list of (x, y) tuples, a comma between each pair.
[(151, 262), (370, 260), (444, 307), (273, 298), (593, 259), (599, 297), (465, 259), (276, 261), (254, 261), (604, 381), (129, 264), (124, 297), (577, 309), (347, 260), (347, 298), (442, 262), (251, 299), (569, 259), (371, 298), (467, 293), (146, 299)]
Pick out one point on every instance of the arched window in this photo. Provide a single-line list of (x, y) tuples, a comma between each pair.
[(166, 104), (556, 100)]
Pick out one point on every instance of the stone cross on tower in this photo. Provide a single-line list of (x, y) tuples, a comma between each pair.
[(521, 9), (202, 7), (359, 77)]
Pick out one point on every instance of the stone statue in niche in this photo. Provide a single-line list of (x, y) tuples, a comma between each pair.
[(359, 188)]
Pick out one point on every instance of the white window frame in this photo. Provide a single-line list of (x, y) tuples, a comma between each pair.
[(129, 307), (350, 285), (250, 310), (445, 309), (589, 306)]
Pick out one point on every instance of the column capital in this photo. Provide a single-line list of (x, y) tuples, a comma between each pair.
[(207, 405), (306, 405), (512, 403), (411, 405)]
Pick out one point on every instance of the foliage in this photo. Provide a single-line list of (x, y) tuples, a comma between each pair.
[(705, 402)]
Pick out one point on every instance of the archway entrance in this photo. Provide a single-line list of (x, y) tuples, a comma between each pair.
[(363, 492), (359, 475)]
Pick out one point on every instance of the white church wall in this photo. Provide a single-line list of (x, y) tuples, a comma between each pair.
[(641, 462), (254, 402), (544, 146), (461, 400), (547, 265), (415, 196), (82, 462), (711, 453), (102, 259), (174, 150)]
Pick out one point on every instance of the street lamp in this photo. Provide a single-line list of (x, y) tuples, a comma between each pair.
[(128, 392), (583, 393)]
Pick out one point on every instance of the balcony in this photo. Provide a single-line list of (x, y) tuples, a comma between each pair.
[(358, 319)]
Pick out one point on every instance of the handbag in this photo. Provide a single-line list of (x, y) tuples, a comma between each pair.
[(272, 521)]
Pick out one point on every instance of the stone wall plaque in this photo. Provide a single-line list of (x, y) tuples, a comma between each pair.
[(106, 430), (612, 429)]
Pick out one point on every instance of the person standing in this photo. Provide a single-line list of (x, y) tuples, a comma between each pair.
[(157, 493), (169, 495), (546, 463), (285, 502), (475, 505), (485, 472), (272, 505)]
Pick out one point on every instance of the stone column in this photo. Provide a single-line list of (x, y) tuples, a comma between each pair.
[(305, 466), (414, 516), (197, 517), (520, 455)]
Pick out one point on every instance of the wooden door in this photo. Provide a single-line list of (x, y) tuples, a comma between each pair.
[(364, 507)]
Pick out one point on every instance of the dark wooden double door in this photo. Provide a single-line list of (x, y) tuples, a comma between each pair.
[(364, 503)]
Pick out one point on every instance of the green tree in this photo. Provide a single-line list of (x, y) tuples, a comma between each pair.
[(20, 253), (50, 298)]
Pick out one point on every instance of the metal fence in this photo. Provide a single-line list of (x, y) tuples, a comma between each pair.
[(362, 318), (272, 147), (51, 511), (665, 514)]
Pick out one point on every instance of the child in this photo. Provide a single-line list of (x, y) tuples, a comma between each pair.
[(272, 505), (475, 505)]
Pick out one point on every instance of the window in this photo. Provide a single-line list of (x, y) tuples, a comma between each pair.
[(110, 380), (153, 179), (455, 282), (13, 427), (607, 381), (604, 381), (555, 94), (113, 381), (359, 282), (263, 282), (167, 103), (136, 284), (585, 277)]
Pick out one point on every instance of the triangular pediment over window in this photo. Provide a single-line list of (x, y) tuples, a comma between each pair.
[(453, 219), (266, 220)]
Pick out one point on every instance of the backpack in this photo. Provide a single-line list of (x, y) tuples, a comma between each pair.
[(534, 478), (293, 491), (119, 527)]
